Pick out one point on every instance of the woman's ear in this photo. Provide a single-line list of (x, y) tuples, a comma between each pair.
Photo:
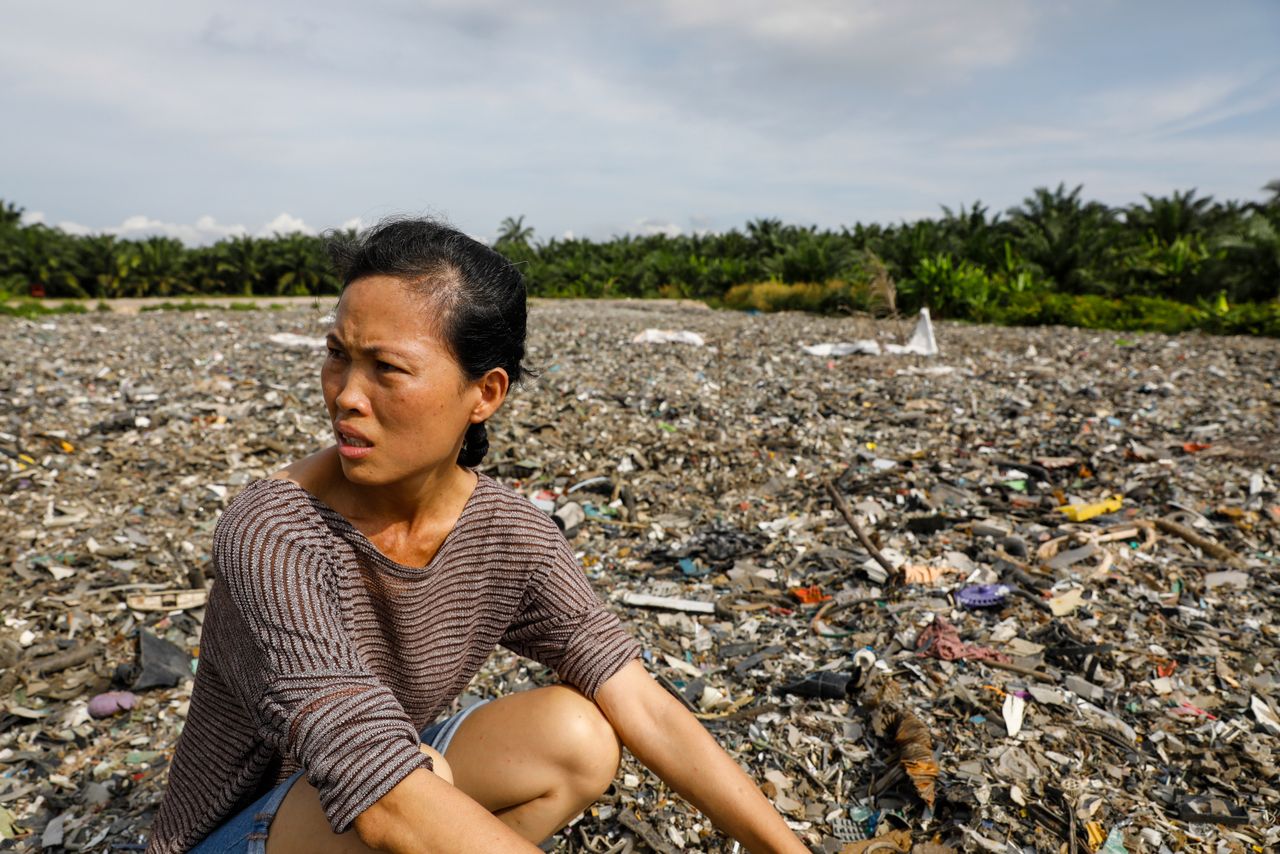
[(493, 391)]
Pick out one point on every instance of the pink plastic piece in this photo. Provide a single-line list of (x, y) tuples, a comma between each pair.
[(111, 703)]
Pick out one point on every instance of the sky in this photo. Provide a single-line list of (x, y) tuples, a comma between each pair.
[(202, 120)]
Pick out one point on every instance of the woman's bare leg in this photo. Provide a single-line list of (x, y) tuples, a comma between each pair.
[(535, 759)]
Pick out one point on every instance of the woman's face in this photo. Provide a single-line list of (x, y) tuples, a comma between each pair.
[(397, 399)]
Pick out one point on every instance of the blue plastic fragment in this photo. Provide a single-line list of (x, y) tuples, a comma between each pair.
[(691, 569), (982, 595)]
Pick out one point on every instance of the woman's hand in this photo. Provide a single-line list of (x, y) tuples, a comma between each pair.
[(673, 744)]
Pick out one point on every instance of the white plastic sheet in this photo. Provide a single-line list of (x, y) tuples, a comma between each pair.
[(921, 343), (668, 336)]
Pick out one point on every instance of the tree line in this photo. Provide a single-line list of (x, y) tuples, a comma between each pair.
[(1177, 261)]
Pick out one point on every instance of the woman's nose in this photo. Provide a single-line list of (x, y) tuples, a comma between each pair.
[(351, 396)]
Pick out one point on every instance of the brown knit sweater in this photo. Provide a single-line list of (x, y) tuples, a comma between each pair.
[(319, 652)]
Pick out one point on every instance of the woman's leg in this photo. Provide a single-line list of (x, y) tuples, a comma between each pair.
[(535, 759)]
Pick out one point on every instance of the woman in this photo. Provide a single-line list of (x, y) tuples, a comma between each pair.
[(359, 590)]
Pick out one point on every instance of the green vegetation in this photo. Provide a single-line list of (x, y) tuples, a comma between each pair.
[(30, 308), (185, 305), (1167, 263), (190, 305)]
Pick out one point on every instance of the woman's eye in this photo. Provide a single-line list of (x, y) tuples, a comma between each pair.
[(335, 353)]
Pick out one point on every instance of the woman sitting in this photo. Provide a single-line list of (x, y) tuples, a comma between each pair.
[(360, 589)]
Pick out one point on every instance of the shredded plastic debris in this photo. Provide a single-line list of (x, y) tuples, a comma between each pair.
[(784, 533)]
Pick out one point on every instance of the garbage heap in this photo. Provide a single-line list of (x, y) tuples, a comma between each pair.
[(1015, 595)]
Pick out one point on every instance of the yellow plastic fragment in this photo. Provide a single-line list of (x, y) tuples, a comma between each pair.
[(66, 446), (1085, 512), (1096, 836)]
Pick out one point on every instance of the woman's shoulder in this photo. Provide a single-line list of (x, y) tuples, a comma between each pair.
[(513, 516), (267, 510)]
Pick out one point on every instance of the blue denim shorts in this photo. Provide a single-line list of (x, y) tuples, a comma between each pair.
[(246, 831)]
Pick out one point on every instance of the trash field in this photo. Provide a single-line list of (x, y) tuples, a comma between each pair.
[(1019, 595)]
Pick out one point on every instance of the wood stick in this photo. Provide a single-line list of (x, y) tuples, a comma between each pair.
[(62, 660), (1205, 544), (870, 547), (1016, 668)]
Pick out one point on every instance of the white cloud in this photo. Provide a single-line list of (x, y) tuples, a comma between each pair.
[(285, 224), (205, 230), (906, 39), (650, 227), (590, 117), (75, 228), (32, 217), (1172, 104)]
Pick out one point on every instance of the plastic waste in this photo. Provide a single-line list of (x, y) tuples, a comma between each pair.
[(669, 336), (824, 685), (160, 664), (982, 595), (1085, 512), (111, 703), (922, 341)]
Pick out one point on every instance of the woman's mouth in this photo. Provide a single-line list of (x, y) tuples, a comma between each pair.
[(353, 447)]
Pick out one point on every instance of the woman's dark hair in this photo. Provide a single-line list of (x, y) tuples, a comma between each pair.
[(480, 295)]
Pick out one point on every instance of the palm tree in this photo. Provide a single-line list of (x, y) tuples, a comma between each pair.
[(1066, 238), (1172, 217), (972, 237), (44, 257), (1253, 259), (513, 232), (764, 237), (10, 214), (158, 271), (297, 265), (106, 262), (1272, 187), (242, 258)]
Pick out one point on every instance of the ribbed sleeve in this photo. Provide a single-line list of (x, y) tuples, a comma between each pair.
[(312, 697), (564, 625)]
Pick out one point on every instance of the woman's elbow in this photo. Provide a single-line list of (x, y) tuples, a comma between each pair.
[(373, 827)]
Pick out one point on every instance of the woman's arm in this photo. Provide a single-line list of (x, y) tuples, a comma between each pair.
[(673, 744), (424, 813)]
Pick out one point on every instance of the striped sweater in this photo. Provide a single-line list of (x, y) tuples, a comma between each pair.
[(319, 652)]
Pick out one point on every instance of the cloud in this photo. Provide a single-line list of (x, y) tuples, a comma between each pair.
[(205, 230), (592, 118), (285, 224), (651, 227), (905, 38)]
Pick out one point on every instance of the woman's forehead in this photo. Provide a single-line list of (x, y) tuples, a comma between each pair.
[(382, 307)]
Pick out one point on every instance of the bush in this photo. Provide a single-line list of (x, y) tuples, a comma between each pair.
[(1133, 313), (1258, 318), (827, 298), (30, 308), (185, 305)]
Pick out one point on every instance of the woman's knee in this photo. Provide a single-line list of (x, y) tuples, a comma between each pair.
[(438, 763), (587, 745)]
